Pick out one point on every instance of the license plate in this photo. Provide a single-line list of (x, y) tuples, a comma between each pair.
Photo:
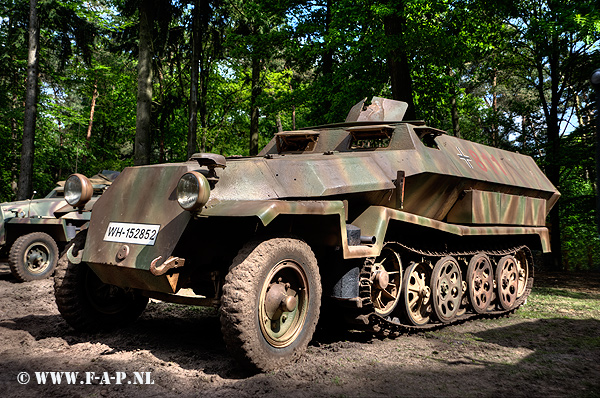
[(139, 234)]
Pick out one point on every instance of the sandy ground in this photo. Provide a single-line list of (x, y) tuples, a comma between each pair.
[(179, 351)]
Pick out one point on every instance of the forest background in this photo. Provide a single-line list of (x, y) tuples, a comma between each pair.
[(99, 85)]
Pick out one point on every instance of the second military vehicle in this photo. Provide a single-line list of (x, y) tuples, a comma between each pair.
[(31, 236), (402, 225)]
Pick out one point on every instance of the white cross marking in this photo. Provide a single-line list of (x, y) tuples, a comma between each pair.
[(464, 157)]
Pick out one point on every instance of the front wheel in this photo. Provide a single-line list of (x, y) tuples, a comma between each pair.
[(87, 303), (33, 257), (270, 303)]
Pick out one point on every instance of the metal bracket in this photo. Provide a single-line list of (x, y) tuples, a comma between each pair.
[(399, 189)]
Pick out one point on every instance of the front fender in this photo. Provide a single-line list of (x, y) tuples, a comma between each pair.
[(268, 210)]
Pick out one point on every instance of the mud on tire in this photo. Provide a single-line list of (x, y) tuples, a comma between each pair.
[(88, 304), (33, 256), (270, 303)]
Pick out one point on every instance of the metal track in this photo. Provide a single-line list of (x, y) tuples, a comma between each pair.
[(392, 326)]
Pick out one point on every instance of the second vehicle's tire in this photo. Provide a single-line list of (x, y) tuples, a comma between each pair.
[(270, 303), (33, 256), (88, 304)]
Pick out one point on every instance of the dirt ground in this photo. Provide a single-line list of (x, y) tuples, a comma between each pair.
[(180, 350)]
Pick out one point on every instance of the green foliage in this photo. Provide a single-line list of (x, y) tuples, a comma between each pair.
[(581, 242)]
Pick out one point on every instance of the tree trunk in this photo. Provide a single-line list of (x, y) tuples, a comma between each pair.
[(398, 65), (14, 151), (454, 108), (254, 115), (202, 108), (88, 136), (553, 173), (597, 180), (192, 144), (144, 92), (205, 63), (278, 121), (495, 137), (27, 148), (327, 65), (553, 155), (454, 111)]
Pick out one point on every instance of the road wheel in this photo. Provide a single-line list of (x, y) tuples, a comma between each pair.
[(480, 279), (88, 304), (270, 303), (446, 286), (523, 271), (507, 280), (33, 256), (386, 280), (416, 293)]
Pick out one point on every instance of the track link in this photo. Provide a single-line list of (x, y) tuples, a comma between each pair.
[(365, 317)]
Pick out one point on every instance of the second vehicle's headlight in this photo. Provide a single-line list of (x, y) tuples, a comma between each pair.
[(78, 190), (193, 191)]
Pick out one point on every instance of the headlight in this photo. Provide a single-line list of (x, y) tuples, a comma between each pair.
[(78, 190), (193, 191)]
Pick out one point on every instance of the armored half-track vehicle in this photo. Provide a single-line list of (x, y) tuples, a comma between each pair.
[(31, 236), (401, 225)]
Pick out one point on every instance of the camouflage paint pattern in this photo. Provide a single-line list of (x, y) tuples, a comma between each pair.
[(375, 220), (142, 195), (268, 210), (480, 207), (452, 185)]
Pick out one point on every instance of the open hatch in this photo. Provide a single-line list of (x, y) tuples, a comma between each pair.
[(371, 137), (296, 141)]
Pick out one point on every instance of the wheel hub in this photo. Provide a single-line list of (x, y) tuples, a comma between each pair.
[(424, 290), (381, 279), (36, 258), (279, 298), (444, 289), (282, 303)]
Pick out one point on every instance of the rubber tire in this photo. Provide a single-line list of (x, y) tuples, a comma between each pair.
[(241, 293), (18, 264), (74, 301)]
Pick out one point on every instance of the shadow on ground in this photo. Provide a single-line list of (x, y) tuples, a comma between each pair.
[(183, 347)]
